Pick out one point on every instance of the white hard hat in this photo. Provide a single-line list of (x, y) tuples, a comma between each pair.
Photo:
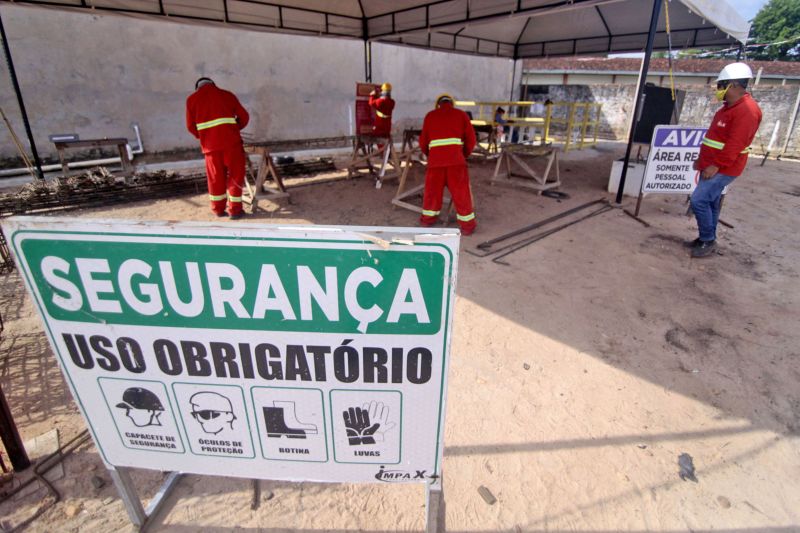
[(735, 71)]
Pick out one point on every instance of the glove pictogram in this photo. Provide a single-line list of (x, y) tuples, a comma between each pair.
[(359, 428)]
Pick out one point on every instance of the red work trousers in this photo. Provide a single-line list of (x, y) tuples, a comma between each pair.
[(225, 171), (456, 178)]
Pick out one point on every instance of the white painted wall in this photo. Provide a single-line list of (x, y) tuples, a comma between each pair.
[(95, 74)]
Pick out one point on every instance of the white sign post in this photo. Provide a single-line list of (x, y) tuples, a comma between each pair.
[(673, 151), (294, 353)]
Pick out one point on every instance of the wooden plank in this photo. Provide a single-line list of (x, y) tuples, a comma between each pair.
[(91, 143), (62, 159)]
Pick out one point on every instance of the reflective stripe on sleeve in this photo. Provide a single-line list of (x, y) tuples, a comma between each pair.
[(427, 213), (466, 218), (719, 146), (381, 114), (215, 122), (217, 197), (445, 142), (713, 144)]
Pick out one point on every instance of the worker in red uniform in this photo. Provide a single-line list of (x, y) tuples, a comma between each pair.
[(723, 154), (447, 139), (383, 106), (215, 116)]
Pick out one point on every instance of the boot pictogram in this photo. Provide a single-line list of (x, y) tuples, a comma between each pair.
[(281, 421)]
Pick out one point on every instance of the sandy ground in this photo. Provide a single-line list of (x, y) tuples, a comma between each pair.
[(579, 374)]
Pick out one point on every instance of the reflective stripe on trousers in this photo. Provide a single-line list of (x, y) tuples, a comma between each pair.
[(719, 146), (215, 122), (445, 142), (217, 197), (428, 213), (466, 218)]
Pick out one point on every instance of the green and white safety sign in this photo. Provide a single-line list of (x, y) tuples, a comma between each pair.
[(294, 353)]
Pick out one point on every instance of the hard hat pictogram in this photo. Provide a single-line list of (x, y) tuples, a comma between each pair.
[(142, 407), (139, 398)]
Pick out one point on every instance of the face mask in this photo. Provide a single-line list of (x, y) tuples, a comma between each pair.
[(720, 94)]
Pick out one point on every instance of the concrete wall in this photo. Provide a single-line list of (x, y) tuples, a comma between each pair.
[(96, 74), (776, 102), (419, 76)]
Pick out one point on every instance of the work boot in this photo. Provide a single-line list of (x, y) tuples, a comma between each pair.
[(237, 216), (221, 215), (276, 425), (704, 249), (290, 417), (692, 244)]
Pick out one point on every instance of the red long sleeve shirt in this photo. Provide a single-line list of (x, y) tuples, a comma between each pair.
[(447, 136), (728, 137), (383, 106), (215, 116)]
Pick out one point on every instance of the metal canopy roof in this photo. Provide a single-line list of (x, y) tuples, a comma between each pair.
[(502, 28)]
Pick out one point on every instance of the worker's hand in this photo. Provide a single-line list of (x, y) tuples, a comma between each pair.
[(696, 164), (709, 172), (372, 93)]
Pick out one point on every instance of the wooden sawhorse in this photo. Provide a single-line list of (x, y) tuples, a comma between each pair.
[(529, 179), (368, 147), (266, 168), (486, 134), (412, 157)]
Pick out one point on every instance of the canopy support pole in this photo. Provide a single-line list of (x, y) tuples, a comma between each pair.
[(639, 94), (368, 61), (513, 80), (13, 74)]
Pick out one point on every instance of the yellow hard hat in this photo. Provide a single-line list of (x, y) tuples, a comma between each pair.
[(386, 87), (444, 96)]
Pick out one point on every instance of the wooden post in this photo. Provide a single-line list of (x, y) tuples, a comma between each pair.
[(548, 115), (586, 111), (10, 437), (570, 119)]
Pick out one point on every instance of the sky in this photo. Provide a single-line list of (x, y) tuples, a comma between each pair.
[(747, 8)]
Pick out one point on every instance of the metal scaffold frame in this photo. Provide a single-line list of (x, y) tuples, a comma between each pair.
[(580, 121)]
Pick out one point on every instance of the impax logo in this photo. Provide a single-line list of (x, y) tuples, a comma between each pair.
[(389, 476)]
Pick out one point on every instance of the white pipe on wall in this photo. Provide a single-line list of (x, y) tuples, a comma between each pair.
[(49, 168), (791, 125)]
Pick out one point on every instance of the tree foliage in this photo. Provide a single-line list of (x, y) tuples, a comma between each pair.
[(778, 20)]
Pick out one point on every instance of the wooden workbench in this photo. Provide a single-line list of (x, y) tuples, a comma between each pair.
[(119, 142)]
